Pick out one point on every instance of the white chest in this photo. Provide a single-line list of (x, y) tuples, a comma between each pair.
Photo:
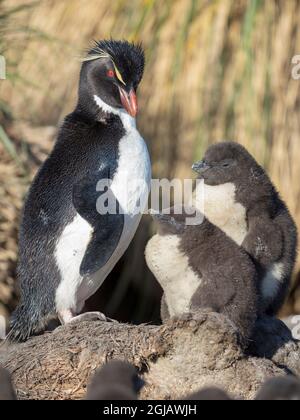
[(131, 182), (171, 269), (220, 207)]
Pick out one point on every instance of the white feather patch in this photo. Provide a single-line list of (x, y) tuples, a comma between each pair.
[(128, 121), (171, 269), (221, 209), (69, 253), (272, 281)]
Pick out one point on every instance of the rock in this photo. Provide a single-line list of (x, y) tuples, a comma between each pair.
[(175, 359)]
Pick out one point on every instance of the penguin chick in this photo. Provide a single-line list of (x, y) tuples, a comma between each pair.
[(285, 388), (209, 394), (199, 267), (115, 381), (70, 240), (241, 200), (7, 392)]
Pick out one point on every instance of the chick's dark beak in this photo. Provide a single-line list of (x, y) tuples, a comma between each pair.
[(200, 166), (129, 101)]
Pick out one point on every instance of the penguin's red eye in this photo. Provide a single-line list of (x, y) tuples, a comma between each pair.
[(110, 73)]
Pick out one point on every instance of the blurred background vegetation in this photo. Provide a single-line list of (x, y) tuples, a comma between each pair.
[(216, 69)]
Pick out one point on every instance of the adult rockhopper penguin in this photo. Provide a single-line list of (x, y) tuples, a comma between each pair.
[(67, 246)]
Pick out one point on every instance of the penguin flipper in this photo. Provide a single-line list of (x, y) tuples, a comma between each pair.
[(107, 228), (264, 241), (104, 241)]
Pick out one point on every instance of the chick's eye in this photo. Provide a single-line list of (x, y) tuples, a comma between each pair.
[(226, 163), (110, 73)]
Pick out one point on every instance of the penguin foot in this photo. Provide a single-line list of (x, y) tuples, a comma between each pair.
[(68, 317), (89, 316)]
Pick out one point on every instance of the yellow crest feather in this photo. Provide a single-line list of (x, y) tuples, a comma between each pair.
[(103, 54), (118, 74)]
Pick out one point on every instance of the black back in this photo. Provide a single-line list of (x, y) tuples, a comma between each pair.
[(82, 147)]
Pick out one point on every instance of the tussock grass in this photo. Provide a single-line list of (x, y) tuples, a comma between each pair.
[(216, 69)]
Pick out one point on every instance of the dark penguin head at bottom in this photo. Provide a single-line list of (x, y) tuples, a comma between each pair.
[(117, 380)]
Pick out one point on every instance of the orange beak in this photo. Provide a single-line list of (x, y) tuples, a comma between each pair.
[(129, 101)]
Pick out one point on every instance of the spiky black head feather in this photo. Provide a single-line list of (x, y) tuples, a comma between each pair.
[(110, 75), (128, 57)]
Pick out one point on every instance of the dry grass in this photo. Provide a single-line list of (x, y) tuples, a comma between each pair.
[(215, 69), (11, 193)]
